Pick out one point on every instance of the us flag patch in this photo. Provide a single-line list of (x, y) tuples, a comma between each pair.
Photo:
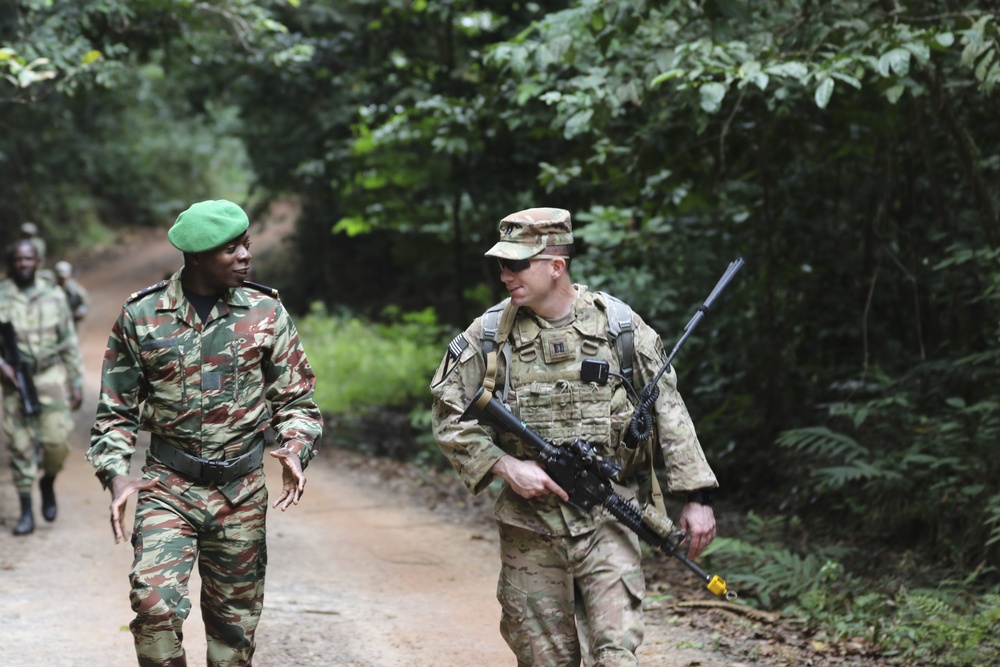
[(450, 361)]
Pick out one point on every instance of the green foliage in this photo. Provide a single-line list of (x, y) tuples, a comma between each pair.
[(372, 380), (65, 48), (114, 85), (946, 626), (772, 575), (914, 460), (929, 630), (364, 367)]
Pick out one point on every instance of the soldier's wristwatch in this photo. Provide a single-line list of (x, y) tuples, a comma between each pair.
[(703, 496)]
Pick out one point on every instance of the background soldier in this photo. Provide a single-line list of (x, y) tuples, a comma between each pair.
[(48, 347), (562, 567), (76, 295), (29, 231), (212, 361)]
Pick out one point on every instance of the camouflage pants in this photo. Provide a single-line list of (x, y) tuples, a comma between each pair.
[(49, 431), (171, 533), (565, 598)]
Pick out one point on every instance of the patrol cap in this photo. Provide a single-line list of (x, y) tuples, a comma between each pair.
[(207, 225), (29, 228), (526, 233), (63, 269)]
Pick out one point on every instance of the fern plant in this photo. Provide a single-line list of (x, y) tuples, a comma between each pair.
[(930, 630)]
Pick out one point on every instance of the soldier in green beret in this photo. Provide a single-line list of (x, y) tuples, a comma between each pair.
[(205, 361), (49, 350), (565, 574)]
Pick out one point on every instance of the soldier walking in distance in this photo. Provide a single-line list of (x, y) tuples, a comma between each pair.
[(205, 361), (76, 294), (571, 585), (46, 344)]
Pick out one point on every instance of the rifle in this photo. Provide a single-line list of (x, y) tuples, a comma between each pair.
[(25, 382), (586, 478)]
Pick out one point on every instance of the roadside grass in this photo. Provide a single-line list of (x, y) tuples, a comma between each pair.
[(373, 379)]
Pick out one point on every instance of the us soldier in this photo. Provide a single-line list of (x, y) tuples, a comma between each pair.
[(76, 295), (204, 361), (568, 578), (48, 346)]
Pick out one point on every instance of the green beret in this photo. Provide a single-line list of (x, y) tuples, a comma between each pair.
[(207, 225)]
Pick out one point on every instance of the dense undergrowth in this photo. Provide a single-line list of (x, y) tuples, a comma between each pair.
[(900, 605)]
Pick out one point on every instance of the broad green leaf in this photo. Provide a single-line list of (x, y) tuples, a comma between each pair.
[(527, 90), (895, 92), (352, 226), (983, 66), (920, 51), (760, 80), (578, 123), (793, 70), (91, 56), (846, 78), (896, 61), (712, 95), (945, 39), (665, 76), (823, 93)]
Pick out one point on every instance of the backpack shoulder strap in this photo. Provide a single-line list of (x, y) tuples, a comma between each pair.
[(620, 332), (498, 322), (491, 327)]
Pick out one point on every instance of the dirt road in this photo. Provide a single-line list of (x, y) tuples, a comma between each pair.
[(359, 575)]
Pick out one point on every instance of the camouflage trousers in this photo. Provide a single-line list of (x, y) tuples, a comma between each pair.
[(567, 598), (46, 434), (171, 533)]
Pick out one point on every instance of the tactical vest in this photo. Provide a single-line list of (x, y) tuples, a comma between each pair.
[(550, 396), (620, 334)]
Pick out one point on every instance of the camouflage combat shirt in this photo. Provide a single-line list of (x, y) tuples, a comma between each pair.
[(548, 395), (45, 332), (207, 388)]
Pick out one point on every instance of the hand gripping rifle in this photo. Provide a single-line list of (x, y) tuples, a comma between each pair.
[(25, 383), (587, 477)]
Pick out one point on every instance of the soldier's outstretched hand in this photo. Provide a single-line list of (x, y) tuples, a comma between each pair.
[(698, 521), (122, 487), (293, 479)]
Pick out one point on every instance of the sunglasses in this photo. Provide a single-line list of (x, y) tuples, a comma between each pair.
[(518, 265)]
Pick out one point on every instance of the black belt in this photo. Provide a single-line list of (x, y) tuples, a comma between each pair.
[(203, 470)]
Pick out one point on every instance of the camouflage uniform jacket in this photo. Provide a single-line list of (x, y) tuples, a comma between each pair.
[(210, 389), (548, 395), (45, 332)]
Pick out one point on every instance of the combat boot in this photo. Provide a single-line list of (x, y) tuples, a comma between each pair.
[(49, 509), (26, 524)]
